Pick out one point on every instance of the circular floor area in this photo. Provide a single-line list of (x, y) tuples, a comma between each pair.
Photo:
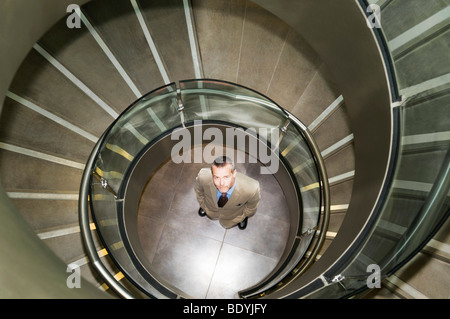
[(195, 254)]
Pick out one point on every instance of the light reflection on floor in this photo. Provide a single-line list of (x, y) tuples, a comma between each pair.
[(195, 254)]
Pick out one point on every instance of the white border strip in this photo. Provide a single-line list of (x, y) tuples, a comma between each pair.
[(150, 42), (426, 138), (411, 185), (135, 132), (75, 80), (42, 196), (379, 2), (425, 86), (59, 232), (346, 140), (392, 227), (192, 42), (330, 234), (419, 29), (413, 292), (326, 113), (52, 117), (109, 54), (85, 260), (80, 262), (341, 207), (156, 119), (333, 208), (341, 177), (439, 246), (42, 156), (414, 186)]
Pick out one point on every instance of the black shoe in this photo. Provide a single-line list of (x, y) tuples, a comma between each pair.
[(243, 224), (201, 212)]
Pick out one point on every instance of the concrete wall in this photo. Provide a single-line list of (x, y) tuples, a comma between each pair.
[(28, 268)]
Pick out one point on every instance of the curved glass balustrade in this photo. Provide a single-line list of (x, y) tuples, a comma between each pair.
[(417, 204), (416, 199), (170, 109)]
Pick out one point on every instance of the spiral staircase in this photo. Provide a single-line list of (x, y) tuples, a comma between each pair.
[(64, 86)]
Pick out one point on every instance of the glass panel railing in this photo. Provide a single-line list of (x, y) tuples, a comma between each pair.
[(215, 102), (222, 101), (144, 121), (299, 151), (104, 204), (417, 204), (296, 152), (218, 101)]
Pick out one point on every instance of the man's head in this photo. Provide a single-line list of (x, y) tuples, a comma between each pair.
[(224, 173)]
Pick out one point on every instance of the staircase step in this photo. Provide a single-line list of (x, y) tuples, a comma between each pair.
[(119, 28), (167, 20), (48, 214), (78, 51), (64, 99), (21, 172), (296, 57)]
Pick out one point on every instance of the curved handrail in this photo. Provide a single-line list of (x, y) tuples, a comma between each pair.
[(340, 281), (350, 279), (85, 227), (304, 264), (436, 199), (325, 193), (253, 97)]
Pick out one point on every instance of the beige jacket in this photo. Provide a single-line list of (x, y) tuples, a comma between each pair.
[(241, 204)]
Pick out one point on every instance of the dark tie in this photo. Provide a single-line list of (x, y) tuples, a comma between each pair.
[(223, 200)]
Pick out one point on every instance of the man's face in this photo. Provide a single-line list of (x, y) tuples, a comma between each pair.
[(223, 177)]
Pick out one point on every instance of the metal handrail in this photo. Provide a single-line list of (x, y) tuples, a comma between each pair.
[(301, 266), (325, 187), (86, 230)]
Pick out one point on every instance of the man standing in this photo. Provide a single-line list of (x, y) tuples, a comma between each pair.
[(225, 194)]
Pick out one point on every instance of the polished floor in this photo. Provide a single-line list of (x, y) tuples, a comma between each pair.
[(195, 254)]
